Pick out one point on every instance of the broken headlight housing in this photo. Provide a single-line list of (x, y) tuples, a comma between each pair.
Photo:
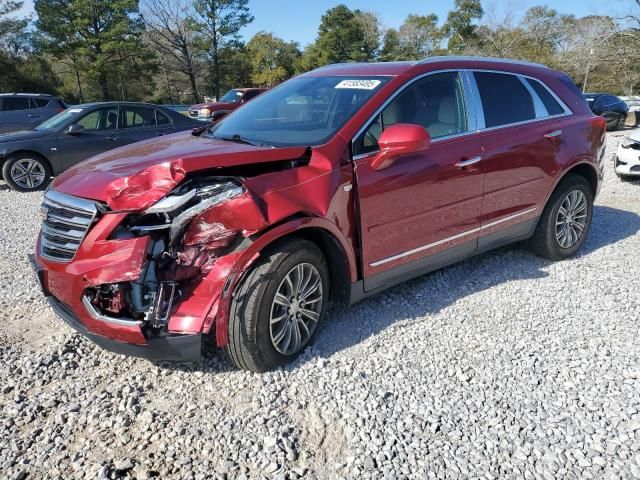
[(175, 211)]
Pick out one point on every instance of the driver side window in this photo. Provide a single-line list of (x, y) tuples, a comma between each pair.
[(435, 102)]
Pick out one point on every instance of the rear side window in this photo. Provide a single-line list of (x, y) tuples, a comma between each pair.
[(10, 104), (136, 117), (39, 102), (550, 103), (505, 99), (161, 118)]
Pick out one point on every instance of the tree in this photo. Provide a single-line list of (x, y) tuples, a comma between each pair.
[(343, 36), (172, 30), (220, 21), (12, 29), (459, 26), (419, 36), (390, 50), (96, 33), (272, 59)]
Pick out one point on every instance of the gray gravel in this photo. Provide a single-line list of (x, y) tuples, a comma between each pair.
[(504, 366)]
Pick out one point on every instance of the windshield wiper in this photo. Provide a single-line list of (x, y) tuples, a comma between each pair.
[(238, 139)]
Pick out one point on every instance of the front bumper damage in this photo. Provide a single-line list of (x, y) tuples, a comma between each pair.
[(177, 348)]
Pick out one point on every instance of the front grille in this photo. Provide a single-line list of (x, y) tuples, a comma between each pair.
[(65, 222)]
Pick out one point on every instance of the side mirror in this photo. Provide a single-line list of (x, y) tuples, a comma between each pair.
[(399, 140), (75, 129), (218, 115)]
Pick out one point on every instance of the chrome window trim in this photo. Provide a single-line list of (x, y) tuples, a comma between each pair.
[(538, 107), (567, 110), (413, 251), (474, 94)]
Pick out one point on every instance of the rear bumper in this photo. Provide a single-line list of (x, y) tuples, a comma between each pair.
[(174, 348)]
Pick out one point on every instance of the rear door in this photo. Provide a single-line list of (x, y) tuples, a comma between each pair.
[(99, 135), (424, 210), (521, 132), (139, 123)]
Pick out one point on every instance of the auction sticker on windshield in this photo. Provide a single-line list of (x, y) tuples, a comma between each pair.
[(359, 84)]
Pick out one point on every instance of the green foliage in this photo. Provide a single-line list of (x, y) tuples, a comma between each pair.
[(459, 26), (344, 35), (102, 37), (220, 22), (272, 59)]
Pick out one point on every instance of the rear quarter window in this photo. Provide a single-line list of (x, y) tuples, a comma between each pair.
[(39, 102), (505, 99), (550, 103)]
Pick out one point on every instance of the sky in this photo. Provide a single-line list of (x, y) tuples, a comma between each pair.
[(298, 20)]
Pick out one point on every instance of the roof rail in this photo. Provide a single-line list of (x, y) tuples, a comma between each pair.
[(478, 59), (29, 94)]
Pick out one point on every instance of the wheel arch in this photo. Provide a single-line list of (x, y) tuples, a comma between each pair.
[(583, 168), (322, 232)]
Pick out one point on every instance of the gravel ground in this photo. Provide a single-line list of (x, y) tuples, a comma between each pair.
[(504, 366)]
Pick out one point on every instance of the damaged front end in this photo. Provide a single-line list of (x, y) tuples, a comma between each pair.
[(187, 232)]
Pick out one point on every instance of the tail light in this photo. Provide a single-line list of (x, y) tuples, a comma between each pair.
[(599, 122)]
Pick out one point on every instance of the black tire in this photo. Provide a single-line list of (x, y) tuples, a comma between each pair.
[(620, 123), (40, 165), (544, 242), (250, 346)]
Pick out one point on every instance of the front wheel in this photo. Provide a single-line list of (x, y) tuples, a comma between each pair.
[(565, 221), (277, 308), (26, 173)]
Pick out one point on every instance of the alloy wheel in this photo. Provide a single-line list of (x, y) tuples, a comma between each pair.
[(296, 309), (28, 173), (572, 218)]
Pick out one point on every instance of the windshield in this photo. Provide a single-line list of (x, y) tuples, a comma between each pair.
[(59, 120), (304, 111), (232, 96)]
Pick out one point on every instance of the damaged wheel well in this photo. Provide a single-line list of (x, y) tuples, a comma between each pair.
[(335, 256)]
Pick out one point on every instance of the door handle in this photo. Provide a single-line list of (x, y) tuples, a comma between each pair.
[(31, 115), (113, 139), (468, 162), (554, 134)]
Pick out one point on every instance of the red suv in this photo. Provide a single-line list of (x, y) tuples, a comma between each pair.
[(333, 186), (229, 102)]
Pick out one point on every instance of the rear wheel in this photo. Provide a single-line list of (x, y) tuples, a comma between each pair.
[(26, 172), (565, 221), (277, 308)]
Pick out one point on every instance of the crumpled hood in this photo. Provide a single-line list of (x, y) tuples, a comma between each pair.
[(23, 135), (136, 176)]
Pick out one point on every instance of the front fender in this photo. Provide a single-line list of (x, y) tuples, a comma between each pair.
[(210, 300)]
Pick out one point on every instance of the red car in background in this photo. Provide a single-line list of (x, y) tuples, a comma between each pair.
[(335, 185), (229, 102)]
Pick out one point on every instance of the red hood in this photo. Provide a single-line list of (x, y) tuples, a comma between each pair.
[(137, 176), (214, 106)]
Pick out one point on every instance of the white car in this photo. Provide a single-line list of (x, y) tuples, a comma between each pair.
[(627, 161)]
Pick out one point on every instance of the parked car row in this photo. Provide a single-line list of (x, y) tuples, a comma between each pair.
[(233, 99), (336, 185)]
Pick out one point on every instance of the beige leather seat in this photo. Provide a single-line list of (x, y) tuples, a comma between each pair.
[(447, 123)]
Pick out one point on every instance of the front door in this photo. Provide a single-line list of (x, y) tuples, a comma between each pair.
[(100, 133), (424, 210)]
